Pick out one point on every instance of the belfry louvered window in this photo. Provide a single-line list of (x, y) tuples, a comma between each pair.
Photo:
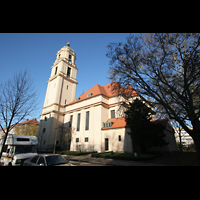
[(56, 70), (68, 71), (70, 61)]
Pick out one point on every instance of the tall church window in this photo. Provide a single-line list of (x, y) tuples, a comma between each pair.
[(87, 121), (78, 122), (112, 113), (71, 120), (68, 71)]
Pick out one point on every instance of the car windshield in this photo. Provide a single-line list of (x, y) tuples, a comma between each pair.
[(25, 149), (55, 160)]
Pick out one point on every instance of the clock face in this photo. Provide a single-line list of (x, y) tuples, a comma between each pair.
[(70, 62)]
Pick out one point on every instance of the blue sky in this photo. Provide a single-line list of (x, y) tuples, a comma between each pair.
[(37, 53)]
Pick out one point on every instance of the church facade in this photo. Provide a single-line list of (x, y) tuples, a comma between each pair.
[(95, 118)]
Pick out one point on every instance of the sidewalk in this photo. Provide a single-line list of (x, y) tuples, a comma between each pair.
[(109, 162)]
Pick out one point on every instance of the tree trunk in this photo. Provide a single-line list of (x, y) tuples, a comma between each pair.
[(143, 148), (133, 145), (179, 133), (5, 137), (195, 134)]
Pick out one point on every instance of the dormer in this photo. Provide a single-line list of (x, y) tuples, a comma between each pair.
[(89, 94)]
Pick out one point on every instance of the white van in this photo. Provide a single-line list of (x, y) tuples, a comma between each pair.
[(18, 148)]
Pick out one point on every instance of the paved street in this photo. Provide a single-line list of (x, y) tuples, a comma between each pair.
[(176, 159), (85, 161), (81, 163), (90, 161)]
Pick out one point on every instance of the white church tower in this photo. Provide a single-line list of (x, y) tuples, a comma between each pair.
[(61, 90)]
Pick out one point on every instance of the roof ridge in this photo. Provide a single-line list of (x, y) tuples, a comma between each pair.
[(97, 85), (101, 89), (34, 120), (84, 95), (28, 121), (106, 90)]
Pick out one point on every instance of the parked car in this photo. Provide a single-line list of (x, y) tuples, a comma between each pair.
[(47, 160)]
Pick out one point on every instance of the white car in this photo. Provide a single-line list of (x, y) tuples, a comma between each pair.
[(47, 160)]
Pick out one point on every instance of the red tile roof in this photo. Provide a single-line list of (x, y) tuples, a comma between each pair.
[(161, 121), (31, 121), (121, 122), (106, 90), (117, 123)]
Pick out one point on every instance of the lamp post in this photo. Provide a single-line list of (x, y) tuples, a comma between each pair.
[(55, 142)]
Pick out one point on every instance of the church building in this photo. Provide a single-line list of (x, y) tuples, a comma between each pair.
[(96, 117)]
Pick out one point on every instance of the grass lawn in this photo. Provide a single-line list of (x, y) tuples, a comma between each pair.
[(75, 153)]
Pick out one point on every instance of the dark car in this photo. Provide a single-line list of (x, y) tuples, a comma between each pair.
[(46, 160)]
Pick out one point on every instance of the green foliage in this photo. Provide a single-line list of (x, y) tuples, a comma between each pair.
[(143, 132)]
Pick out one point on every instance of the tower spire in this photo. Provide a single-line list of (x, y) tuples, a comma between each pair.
[(68, 43)]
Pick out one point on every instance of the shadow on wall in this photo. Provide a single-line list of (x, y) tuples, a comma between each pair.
[(85, 147), (50, 137)]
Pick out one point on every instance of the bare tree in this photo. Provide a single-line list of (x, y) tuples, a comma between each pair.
[(166, 69), (18, 99)]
